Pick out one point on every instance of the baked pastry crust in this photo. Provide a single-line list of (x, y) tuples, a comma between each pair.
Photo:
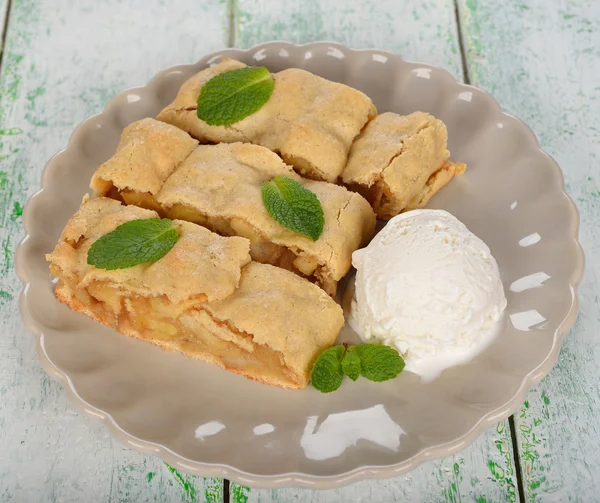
[(213, 274), (399, 162), (310, 121), (274, 310), (204, 298), (219, 187), (148, 152)]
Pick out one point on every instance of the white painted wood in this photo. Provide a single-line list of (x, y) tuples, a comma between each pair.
[(62, 62), (541, 60), (423, 31)]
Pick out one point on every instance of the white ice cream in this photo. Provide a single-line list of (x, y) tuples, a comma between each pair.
[(427, 286)]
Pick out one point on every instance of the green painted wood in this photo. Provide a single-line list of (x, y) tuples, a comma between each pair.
[(63, 61), (423, 31), (541, 61)]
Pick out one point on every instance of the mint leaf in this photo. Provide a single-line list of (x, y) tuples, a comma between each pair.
[(132, 243), (231, 96), (378, 363), (293, 206), (351, 365), (326, 375)]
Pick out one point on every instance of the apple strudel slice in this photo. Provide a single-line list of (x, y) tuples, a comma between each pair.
[(219, 187), (310, 121), (148, 152), (204, 298), (399, 162)]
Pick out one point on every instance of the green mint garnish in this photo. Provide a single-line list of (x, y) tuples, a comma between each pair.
[(378, 363), (293, 206), (351, 365), (132, 243), (327, 373), (373, 361), (231, 96)]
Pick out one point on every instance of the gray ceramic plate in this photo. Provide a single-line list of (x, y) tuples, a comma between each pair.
[(212, 423)]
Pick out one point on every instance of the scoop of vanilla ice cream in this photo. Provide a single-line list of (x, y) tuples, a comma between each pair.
[(425, 285)]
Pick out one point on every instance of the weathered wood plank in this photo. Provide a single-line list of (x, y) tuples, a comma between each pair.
[(424, 31), (542, 63), (63, 61), (419, 30)]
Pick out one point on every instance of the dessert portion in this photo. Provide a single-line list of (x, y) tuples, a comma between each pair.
[(399, 162), (426, 285), (288, 321), (219, 187), (223, 278), (147, 154), (310, 121), (204, 298)]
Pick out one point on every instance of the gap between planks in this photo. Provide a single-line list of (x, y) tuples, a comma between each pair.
[(231, 42), (226, 490), (461, 44), (232, 7), (4, 31), (516, 458)]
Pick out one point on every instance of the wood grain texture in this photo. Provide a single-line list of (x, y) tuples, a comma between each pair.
[(423, 31), (63, 60), (541, 61)]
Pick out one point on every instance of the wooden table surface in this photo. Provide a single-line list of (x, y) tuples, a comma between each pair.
[(63, 59)]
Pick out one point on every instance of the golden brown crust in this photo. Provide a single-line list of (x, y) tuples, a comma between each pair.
[(266, 306), (399, 162), (271, 328), (310, 121), (436, 181), (223, 182), (147, 154), (219, 187), (201, 264)]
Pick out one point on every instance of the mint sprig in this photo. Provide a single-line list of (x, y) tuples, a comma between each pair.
[(231, 96), (327, 372), (293, 206), (132, 243), (373, 361), (377, 362)]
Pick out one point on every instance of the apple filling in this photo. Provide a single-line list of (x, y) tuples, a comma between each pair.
[(261, 249), (183, 327)]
